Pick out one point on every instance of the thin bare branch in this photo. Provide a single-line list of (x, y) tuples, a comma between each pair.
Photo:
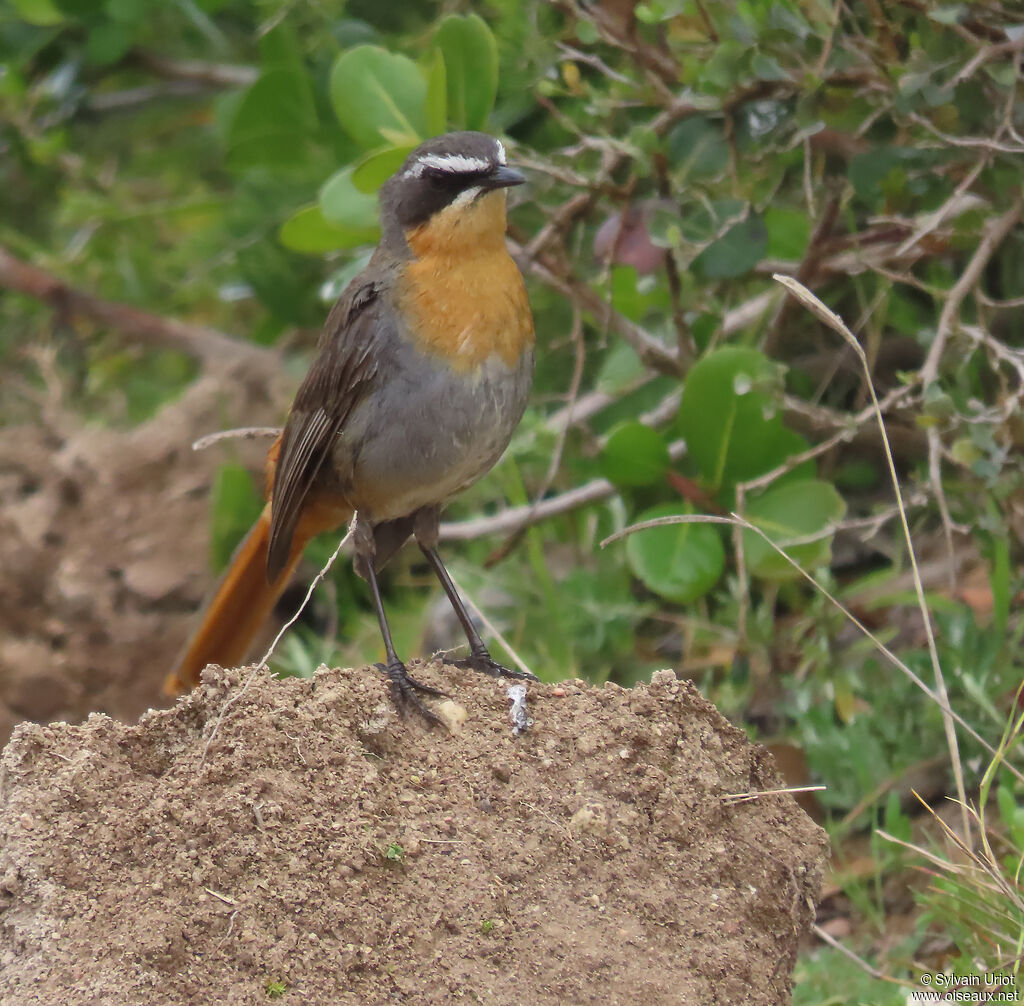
[(213, 348), (995, 234), (501, 523), (196, 70)]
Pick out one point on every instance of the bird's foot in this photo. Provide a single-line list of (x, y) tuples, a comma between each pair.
[(404, 687), (486, 664)]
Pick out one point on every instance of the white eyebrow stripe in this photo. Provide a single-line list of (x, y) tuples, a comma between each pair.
[(455, 164), (501, 151)]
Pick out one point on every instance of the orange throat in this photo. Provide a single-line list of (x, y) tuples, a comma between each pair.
[(462, 294)]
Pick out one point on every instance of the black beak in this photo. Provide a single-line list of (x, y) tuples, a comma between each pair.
[(503, 178)]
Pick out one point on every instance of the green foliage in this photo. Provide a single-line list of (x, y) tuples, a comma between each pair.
[(234, 506), (789, 512), (729, 417), (349, 210), (311, 232), (680, 562), (675, 162), (470, 58), (827, 977), (275, 988), (379, 97), (634, 455)]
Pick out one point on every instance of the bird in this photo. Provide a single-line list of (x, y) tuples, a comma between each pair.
[(421, 376)]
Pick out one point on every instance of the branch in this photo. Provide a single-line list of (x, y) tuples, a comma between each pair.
[(588, 405), (195, 70), (212, 348), (995, 233), (530, 513), (654, 353)]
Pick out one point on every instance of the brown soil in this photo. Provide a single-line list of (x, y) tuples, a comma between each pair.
[(104, 550), (303, 833)]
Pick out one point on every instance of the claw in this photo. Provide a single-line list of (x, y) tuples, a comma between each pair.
[(486, 664), (404, 688)]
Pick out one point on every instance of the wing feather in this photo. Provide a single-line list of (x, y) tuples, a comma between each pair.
[(338, 380)]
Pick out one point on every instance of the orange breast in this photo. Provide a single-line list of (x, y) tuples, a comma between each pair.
[(462, 295)]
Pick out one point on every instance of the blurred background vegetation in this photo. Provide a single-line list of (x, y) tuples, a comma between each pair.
[(216, 162)]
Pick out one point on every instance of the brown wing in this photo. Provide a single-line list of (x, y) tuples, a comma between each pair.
[(337, 381)]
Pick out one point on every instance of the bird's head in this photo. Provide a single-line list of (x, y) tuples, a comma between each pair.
[(449, 194)]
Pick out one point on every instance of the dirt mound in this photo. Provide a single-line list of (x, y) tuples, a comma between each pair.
[(103, 551), (311, 846)]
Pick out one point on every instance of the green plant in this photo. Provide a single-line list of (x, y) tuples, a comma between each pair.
[(275, 988), (677, 159)]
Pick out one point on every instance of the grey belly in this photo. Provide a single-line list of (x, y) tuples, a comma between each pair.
[(426, 433)]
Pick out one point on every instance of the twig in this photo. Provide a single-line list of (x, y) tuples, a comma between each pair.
[(827, 937), (733, 798), (500, 523), (262, 664), (967, 142), (733, 519), (995, 234), (132, 97), (213, 348), (490, 627), (220, 897), (196, 70), (556, 455), (833, 321), (652, 351), (930, 221), (734, 320), (241, 433)]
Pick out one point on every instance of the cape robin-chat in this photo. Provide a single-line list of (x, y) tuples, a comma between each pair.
[(421, 375)]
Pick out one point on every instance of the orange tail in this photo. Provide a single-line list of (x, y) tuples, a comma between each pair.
[(242, 602)]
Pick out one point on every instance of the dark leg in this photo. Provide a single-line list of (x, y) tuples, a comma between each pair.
[(479, 659), (403, 686)]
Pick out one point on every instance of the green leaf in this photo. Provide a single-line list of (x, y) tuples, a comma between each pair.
[(307, 231), (702, 219), (471, 60), (127, 11), (1001, 584), (277, 278), (379, 96), (735, 252), (107, 42), (724, 67), (787, 512), (234, 505), (372, 170), (620, 368), (727, 417), (634, 455), (766, 67), (789, 231), (471, 56), (698, 146), (343, 205), (273, 122), (949, 14), (680, 562), (42, 13), (280, 49), (437, 95)]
